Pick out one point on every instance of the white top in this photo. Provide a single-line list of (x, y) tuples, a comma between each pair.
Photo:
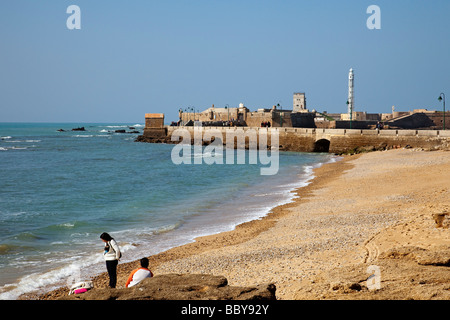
[(140, 275), (114, 251)]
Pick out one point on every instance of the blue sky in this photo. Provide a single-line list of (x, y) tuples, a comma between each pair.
[(141, 56)]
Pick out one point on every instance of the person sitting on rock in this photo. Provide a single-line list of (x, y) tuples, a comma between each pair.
[(139, 274)]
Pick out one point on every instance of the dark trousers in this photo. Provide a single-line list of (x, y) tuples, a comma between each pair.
[(111, 266)]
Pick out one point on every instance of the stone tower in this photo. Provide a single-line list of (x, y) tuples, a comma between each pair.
[(299, 102)]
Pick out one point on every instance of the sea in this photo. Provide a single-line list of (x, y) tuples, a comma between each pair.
[(60, 189)]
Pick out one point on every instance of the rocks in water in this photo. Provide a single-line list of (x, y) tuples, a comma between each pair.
[(155, 139), (181, 287), (79, 129), (124, 131)]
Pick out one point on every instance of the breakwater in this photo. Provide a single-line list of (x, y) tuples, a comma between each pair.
[(320, 140)]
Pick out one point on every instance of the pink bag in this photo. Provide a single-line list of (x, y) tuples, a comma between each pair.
[(81, 290)]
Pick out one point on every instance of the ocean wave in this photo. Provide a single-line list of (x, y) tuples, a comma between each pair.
[(27, 236), (6, 137), (72, 268), (6, 248), (268, 194), (22, 141), (204, 155), (19, 148), (117, 126), (66, 225), (50, 280)]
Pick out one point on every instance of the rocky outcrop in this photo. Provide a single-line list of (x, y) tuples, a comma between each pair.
[(180, 287), (164, 139), (439, 256), (79, 129), (406, 272)]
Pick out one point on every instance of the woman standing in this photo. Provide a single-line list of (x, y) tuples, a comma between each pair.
[(112, 256)]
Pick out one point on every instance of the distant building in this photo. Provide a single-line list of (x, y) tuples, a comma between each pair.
[(154, 120), (299, 102), (242, 116), (154, 125)]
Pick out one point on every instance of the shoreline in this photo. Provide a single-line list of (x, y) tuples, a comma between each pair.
[(242, 232), (301, 240)]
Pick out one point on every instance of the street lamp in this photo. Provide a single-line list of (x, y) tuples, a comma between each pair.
[(281, 115), (228, 110), (186, 118), (442, 98)]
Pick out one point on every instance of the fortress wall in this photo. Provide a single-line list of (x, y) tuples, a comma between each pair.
[(341, 140)]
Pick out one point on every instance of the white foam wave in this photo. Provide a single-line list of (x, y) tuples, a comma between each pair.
[(205, 155), (6, 137), (67, 225), (36, 281), (22, 141), (74, 269), (3, 149)]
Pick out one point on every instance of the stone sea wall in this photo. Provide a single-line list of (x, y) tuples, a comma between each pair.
[(314, 139)]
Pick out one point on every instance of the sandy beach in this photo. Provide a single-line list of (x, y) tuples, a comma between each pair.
[(385, 209)]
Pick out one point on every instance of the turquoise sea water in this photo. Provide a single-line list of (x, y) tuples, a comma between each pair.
[(60, 190)]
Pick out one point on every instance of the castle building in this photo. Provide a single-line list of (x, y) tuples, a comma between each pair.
[(299, 102)]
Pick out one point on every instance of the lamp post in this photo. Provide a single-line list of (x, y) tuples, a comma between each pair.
[(442, 98), (281, 115), (186, 116), (228, 111), (189, 112)]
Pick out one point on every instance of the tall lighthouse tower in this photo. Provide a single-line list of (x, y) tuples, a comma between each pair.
[(351, 97)]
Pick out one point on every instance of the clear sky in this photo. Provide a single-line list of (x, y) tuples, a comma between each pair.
[(142, 56)]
